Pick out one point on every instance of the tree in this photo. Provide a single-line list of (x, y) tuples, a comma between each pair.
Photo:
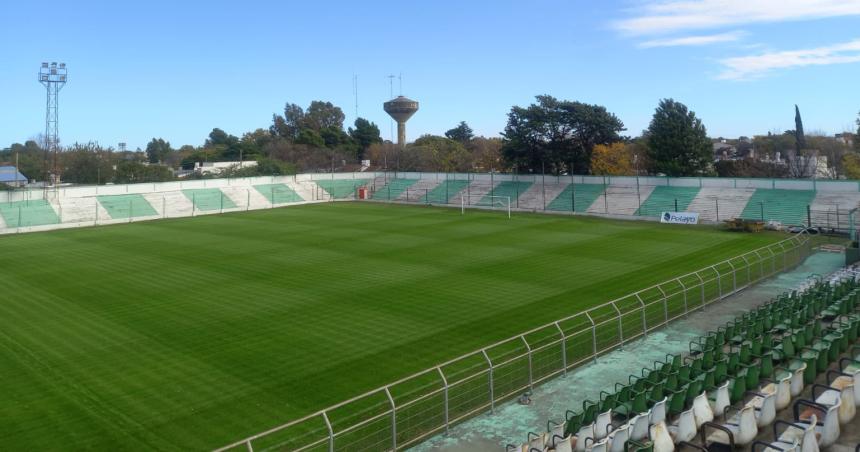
[(857, 135), (158, 150), (442, 154), (611, 160), (555, 135), (462, 133), (678, 143), (799, 137), (364, 134), (486, 154), (87, 164), (132, 172), (321, 115), (289, 125), (851, 165)]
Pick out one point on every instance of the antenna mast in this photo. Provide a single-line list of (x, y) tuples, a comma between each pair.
[(391, 96)]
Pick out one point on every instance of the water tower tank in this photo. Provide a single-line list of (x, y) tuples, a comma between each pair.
[(401, 109)]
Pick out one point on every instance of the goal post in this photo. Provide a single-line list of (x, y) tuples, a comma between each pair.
[(493, 202)]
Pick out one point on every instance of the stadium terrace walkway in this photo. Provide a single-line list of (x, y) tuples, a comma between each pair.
[(512, 422)]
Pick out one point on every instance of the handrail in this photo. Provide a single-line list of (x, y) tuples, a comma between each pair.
[(797, 240)]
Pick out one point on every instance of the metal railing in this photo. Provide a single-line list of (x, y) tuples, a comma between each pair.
[(409, 410)]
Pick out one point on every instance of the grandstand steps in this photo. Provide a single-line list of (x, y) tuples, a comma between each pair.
[(785, 206), (386, 190), (306, 190), (667, 199), (170, 204), (830, 209), (620, 200), (420, 190), (246, 198), (37, 212), (732, 202), (538, 194), (80, 210), (474, 192)]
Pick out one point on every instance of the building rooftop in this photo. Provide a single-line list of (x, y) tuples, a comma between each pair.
[(8, 174)]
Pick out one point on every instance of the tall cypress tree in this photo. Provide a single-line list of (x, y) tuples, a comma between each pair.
[(799, 137)]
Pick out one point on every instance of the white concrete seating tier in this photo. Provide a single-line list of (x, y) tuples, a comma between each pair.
[(731, 202)]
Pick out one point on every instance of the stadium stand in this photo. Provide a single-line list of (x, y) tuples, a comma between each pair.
[(510, 189), (620, 200), (120, 207), (445, 192), (392, 189), (786, 206), (421, 189), (209, 199), (729, 390), (341, 188), (830, 209), (576, 198), (538, 195), (717, 204), (475, 191), (28, 213), (667, 199), (277, 194)]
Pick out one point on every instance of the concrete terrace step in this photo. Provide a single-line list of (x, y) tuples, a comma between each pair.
[(538, 194), (419, 190), (118, 207), (266, 195), (620, 200), (786, 206), (667, 199), (170, 204), (474, 192), (576, 198), (718, 204)]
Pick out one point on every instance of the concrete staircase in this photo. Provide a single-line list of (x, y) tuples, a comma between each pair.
[(246, 198), (170, 204), (309, 190), (830, 209), (732, 202), (620, 200), (533, 198), (417, 190), (474, 193), (80, 210)]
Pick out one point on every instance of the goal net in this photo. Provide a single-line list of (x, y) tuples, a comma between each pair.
[(502, 203)]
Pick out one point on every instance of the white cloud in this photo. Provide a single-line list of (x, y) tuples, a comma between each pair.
[(756, 66), (693, 40), (669, 16)]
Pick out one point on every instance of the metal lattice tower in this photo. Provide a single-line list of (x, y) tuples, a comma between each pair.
[(53, 76)]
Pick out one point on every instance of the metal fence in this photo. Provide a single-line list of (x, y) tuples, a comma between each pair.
[(405, 412), (834, 207)]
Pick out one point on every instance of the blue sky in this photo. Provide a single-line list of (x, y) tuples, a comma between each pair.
[(176, 69)]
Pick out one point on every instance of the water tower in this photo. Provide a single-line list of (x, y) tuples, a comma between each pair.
[(401, 109)]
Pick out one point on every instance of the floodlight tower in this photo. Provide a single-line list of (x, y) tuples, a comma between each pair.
[(53, 76)]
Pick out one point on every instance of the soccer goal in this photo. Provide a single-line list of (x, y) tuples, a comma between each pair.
[(492, 202)]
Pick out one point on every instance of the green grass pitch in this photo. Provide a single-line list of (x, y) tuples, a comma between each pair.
[(188, 334)]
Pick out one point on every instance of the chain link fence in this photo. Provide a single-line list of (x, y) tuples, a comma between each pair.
[(405, 412)]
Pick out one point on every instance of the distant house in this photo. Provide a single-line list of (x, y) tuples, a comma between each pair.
[(846, 138), (10, 176), (216, 168), (724, 151)]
